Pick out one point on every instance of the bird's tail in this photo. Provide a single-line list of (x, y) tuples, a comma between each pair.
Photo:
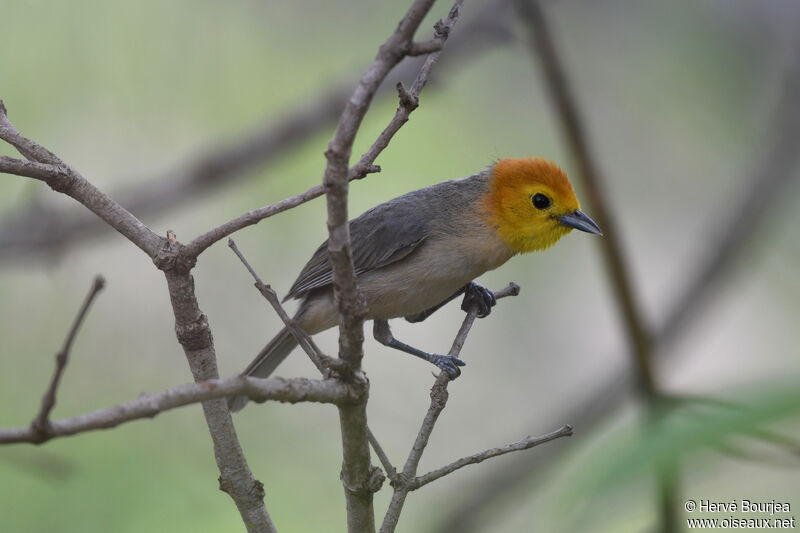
[(266, 362)]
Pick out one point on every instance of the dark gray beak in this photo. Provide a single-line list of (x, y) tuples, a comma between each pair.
[(580, 220)]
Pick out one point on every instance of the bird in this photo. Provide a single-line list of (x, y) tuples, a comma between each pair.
[(417, 252)]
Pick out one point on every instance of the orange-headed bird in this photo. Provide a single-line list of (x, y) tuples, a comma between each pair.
[(417, 252)]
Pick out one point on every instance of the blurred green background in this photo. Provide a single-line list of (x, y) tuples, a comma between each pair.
[(677, 96)]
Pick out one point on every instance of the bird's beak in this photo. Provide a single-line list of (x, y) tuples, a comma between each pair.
[(580, 220)]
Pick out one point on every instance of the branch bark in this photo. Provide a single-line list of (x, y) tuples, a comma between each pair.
[(525, 444), (191, 325), (194, 335), (359, 477), (149, 405)]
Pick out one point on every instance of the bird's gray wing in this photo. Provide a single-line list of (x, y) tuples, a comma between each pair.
[(379, 237)]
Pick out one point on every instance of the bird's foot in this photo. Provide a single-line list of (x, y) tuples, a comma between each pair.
[(448, 363), (478, 294)]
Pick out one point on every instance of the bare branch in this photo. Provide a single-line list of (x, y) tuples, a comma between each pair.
[(357, 472), (201, 243), (423, 48), (409, 99), (221, 164), (32, 169), (524, 444), (194, 335), (191, 327), (28, 148), (320, 360), (69, 181), (391, 472), (439, 393), (40, 422), (149, 405), (439, 396)]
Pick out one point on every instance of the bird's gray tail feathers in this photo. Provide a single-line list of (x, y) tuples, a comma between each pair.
[(265, 363)]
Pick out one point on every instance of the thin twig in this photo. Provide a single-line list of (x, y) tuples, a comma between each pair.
[(409, 99), (439, 396), (40, 424), (524, 444), (320, 360), (391, 471), (295, 390), (202, 242)]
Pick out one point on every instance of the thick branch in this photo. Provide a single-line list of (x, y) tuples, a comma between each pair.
[(69, 181), (149, 405), (41, 422), (194, 335)]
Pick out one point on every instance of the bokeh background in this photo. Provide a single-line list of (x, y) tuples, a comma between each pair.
[(679, 99)]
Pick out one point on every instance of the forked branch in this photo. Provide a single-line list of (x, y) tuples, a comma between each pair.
[(407, 480), (40, 427)]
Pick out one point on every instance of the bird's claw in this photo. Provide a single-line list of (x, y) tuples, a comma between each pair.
[(480, 295), (448, 363)]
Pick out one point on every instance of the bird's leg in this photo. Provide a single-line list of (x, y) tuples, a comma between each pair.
[(448, 363), (478, 294), (472, 293)]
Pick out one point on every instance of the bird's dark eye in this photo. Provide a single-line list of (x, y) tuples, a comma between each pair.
[(540, 201)]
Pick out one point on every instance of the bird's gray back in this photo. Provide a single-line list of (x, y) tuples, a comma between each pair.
[(392, 230)]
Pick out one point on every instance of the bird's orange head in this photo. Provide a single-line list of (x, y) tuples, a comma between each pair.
[(533, 205)]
